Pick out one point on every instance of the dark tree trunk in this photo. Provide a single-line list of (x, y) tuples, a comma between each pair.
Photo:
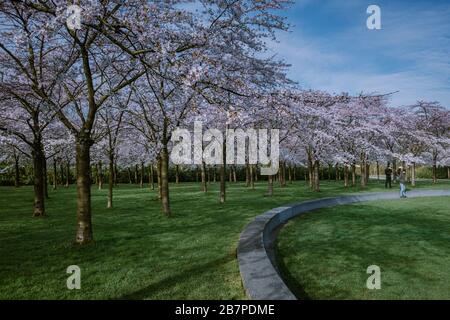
[(252, 181), (115, 174), (84, 233), (129, 176), (270, 185), (204, 185), (353, 175), (141, 182), (177, 174), (136, 174), (363, 171), (110, 180), (158, 171), (16, 172), (222, 195), (434, 167), (151, 178), (413, 174), (345, 175), (55, 175), (311, 174), (44, 170), (247, 175), (67, 173), (316, 176), (165, 181), (61, 170), (39, 192), (378, 171), (100, 175)]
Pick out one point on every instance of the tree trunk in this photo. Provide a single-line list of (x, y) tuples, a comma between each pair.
[(110, 180), (434, 168), (222, 195), (39, 193), (367, 171), (353, 175), (141, 182), (378, 171), (44, 169), (413, 174), (177, 174), (16, 172), (165, 181), (115, 174), (247, 175), (204, 185), (136, 174), (100, 175), (283, 174), (235, 177), (345, 175), (83, 168), (158, 169), (61, 170), (67, 173), (329, 172), (55, 175), (251, 175), (363, 172), (290, 174), (209, 174), (151, 178), (129, 176), (316, 176), (270, 185), (394, 170), (310, 174)]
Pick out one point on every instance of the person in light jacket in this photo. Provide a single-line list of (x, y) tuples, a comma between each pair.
[(402, 179)]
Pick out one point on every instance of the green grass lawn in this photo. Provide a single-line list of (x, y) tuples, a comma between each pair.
[(325, 254), (138, 253)]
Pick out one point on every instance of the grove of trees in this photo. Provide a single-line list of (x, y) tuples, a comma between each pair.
[(98, 104)]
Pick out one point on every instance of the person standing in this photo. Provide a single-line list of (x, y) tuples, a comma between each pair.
[(402, 179), (388, 173)]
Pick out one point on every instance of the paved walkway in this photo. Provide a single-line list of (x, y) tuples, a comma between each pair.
[(257, 266)]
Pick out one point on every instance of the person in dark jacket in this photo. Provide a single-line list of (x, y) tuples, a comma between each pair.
[(388, 173)]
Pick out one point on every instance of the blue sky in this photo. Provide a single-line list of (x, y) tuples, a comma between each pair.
[(330, 48)]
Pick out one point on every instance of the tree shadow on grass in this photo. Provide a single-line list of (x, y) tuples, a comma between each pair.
[(148, 291)]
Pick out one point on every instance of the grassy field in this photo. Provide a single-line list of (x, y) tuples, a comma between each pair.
[(138, 253), (325, 254)]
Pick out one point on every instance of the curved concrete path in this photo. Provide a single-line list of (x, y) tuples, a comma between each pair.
[(257, 266)]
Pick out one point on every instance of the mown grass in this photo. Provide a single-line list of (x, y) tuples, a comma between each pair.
[(138, 253), (325, 254)]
